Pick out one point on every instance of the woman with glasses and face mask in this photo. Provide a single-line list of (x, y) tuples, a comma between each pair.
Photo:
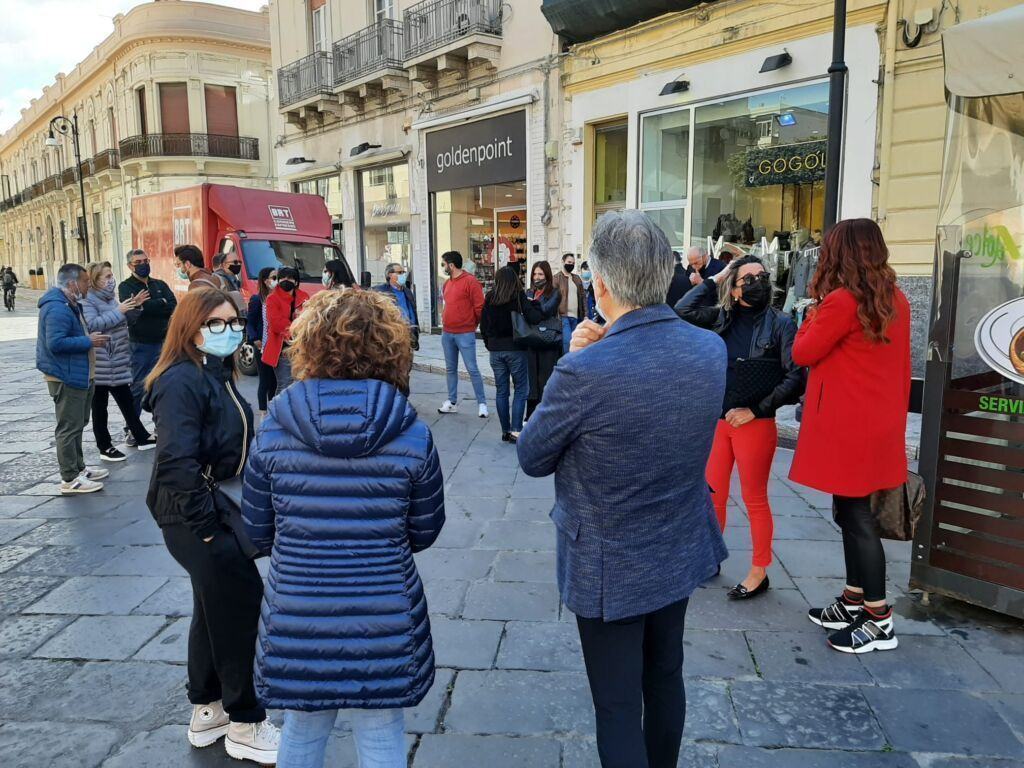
[(761, 378), (256, 333), (204, 428)]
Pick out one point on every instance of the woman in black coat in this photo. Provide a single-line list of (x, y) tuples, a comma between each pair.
[(255, 332), (204, 428), (761, 378), (546, 298)]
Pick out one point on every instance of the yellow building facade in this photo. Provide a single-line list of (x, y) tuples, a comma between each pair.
[(178, 94)]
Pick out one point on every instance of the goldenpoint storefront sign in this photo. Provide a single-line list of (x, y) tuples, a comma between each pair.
[(491, 151)]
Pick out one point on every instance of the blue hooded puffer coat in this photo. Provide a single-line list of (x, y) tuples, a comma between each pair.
[(343, 484), (62, 345)]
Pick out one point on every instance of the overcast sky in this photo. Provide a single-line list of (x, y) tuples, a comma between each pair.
[(39, 38)]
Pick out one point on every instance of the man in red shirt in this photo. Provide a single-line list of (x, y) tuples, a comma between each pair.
[(463, 303)]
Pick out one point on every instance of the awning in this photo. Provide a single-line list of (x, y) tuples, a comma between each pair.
[(580, 20), (983, 57)]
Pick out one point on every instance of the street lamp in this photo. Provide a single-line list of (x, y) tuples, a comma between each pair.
[(836, 100), (66, 127)]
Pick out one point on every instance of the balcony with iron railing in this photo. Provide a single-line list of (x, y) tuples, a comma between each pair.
[(104, 160), (447, 26), (370, 51), (52, 183), (205, 145), (310, 77)]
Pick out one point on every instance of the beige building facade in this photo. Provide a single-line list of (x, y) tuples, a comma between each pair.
[(427, 127), (178, 94)]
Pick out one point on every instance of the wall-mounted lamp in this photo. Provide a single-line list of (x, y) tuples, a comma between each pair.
[(364, 147), (298, 161), (776, 62), (675, 86)]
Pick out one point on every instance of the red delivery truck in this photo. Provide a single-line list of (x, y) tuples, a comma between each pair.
[(266, 228)]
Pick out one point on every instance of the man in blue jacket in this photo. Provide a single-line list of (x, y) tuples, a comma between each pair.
[(635, 526), (397, 287), (64, 354)]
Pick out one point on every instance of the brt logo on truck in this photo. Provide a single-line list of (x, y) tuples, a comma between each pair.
[(283, 219), (181, 225)]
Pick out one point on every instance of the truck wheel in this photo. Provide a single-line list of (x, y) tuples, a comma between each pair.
[(245, 359)]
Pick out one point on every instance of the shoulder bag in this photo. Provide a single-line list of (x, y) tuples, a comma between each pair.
[(897, 511), (546, 334), (227, 500)]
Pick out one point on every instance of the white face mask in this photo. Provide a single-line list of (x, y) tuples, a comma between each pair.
[(325, 278), (272, 284)]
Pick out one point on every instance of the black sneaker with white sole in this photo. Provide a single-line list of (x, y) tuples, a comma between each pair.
[(839, 615), (868, 633), (145, 445), (112, 454)]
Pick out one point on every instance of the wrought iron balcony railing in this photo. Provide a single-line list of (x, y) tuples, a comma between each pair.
[(369, 50), (104, 160), (435, 23), (52, 183), (307, 77), (189, 145)]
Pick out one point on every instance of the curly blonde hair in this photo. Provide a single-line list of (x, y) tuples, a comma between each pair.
[(352, 334)]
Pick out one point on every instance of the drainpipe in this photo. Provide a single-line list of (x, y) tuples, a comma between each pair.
[(888, 102)]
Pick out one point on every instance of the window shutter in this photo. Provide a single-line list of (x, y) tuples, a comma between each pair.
[(221, 111), (174, 108)]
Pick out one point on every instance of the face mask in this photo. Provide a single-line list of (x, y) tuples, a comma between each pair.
[(110, 285), (220, 344), (403, 279), (756, 294), (540, 283), (142, 270), (235, 269), (569, 266), (286, 285), (447, 270), (271, 284), (181, 273), (586, 275), (325, 278)]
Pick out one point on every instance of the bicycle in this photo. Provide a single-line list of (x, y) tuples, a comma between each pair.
[(9, 299)]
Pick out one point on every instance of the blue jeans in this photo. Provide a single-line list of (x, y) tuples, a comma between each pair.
[(453, 344), (568, 326), (514, 365), (379, 735), (144, 357)]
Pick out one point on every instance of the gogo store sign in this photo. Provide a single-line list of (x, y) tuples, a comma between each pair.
[(787, 164), (491, 151)]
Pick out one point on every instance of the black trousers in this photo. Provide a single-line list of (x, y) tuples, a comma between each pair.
[(635, 669), (862, 546), (226, 592), (267, 387), (125, 404)]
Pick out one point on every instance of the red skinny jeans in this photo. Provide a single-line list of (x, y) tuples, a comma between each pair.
[(751, 447)]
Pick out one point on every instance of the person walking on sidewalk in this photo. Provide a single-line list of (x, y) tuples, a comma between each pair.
[(856, 343), (760, 379), (636, 530), (546, 298), (147, 322), (573, 306), (463, 305), (284, 304), (204, 428), (256, 333), (343, 485), (105, 314), (66, 356)]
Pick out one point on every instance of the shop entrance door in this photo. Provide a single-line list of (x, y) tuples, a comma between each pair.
[(510, 239)]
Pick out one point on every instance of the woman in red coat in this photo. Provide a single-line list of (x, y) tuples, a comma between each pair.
[(283, 305), (853, 436)]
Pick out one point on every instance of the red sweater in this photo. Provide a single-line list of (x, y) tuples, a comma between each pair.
[(463, 303), (853, 436)]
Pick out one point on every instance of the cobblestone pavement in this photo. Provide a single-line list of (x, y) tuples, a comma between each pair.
[(94, 616)]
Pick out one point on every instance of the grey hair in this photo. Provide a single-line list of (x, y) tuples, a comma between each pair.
[(632, 256), (134, 252), (68, 274), (699, 249), (394, 265)]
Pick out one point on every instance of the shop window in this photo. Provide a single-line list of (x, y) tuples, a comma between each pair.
[(329, 188), (174, 108), (610, 167), (384, 197), (666, 151)]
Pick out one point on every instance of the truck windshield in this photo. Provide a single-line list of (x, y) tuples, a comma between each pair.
[(307, 258)]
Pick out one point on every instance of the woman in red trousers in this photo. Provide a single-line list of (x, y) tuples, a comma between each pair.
[(760, 379), (283, 305), (853, 436)]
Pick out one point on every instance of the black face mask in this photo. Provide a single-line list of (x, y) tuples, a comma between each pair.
[(570, 266), (236, 268), (539, 283), (286, 285), (142, 270), (757, 294)]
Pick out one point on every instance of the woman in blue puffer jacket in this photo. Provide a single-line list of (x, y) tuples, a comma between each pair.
[(343, 485)]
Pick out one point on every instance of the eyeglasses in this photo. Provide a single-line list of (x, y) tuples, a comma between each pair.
[(138, 262), (761, 277), (216, 325)]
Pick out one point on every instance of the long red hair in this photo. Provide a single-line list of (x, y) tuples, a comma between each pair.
[(192, 311), (854, 256)]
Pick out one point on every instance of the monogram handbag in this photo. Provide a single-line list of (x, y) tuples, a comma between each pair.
[(546, 334), (898, 510)]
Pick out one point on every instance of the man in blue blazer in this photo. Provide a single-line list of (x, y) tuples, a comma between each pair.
[(626, 426)]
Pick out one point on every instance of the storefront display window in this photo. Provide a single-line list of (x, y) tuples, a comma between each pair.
[(384, 196), (611, 148), (329, 188)]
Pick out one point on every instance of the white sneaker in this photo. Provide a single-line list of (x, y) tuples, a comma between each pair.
[(209, 722), (253, 741), (448, 407), (95, 473), (80, 484), (483, 411)]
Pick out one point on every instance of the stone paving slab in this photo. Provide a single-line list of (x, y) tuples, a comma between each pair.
[(56, 745), (110, 638), (98, 595)]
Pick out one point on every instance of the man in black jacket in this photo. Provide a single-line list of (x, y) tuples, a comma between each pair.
[(147, 326)]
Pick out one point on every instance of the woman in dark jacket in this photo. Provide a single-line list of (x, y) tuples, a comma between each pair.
[(342, 487), (508, 360), (542, 362), (204, 427), (256, 332), (736, 304)]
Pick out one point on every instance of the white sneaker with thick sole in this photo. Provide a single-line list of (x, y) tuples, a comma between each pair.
[(448, 407), (484, 413), (95, 473), (80, 484), (208, 724), (253, 741)]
